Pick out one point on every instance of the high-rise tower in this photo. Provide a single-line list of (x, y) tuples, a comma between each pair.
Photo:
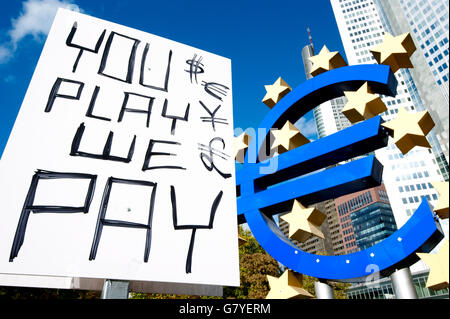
[(427, 22), (328, 116), (362, 25), (407, 177)]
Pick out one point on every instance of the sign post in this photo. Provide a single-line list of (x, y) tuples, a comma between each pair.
[(115, 289)]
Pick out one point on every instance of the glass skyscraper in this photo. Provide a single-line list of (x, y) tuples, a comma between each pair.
[(328, 116), (365, 218), (373, 224), (407, 178), (362, 25), (427, 22)]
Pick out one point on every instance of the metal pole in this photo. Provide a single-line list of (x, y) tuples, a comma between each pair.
[(115, 289), (403, 285), (323, 290)]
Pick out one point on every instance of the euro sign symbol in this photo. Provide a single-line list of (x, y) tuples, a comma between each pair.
[(303, 174), (195, 67)]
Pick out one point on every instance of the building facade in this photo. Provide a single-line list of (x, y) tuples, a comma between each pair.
[(361, 27), (328, 116), (365, 218), (382, 289), (427, 22), (373, 223)]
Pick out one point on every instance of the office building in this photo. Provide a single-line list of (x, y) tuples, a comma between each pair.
[(382, 289), (328, 116), (374, 222), (365, 218), (407, 177), (427, 22)]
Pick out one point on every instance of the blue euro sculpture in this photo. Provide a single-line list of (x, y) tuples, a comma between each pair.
[(303, 174)]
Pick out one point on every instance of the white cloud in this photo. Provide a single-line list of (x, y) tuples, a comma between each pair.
[(5, 53), (307, 127), (35, 19)]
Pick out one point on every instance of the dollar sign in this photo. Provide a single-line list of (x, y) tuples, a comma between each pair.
[(195, 67)]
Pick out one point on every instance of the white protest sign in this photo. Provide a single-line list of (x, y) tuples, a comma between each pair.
[(120, 164)]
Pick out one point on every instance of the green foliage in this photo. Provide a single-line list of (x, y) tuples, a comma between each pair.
[(308, 284), (254, 269), (340, 290), (255, 264)]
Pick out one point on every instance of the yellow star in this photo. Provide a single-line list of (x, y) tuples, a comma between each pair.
[(288, 138), (395, 51), (410, 129), (362, 104), (326, 61), (241, 144), (438, 263), (288, 286), (441, 208), (275, 92), (304, 222)]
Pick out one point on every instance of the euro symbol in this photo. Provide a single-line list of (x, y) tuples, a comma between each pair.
[(214, 89), (301, 175), (195, 67)]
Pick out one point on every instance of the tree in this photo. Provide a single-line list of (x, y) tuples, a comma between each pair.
[(340, 289), (255, 264)]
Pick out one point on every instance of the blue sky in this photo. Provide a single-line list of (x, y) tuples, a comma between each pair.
[(262, 38)]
